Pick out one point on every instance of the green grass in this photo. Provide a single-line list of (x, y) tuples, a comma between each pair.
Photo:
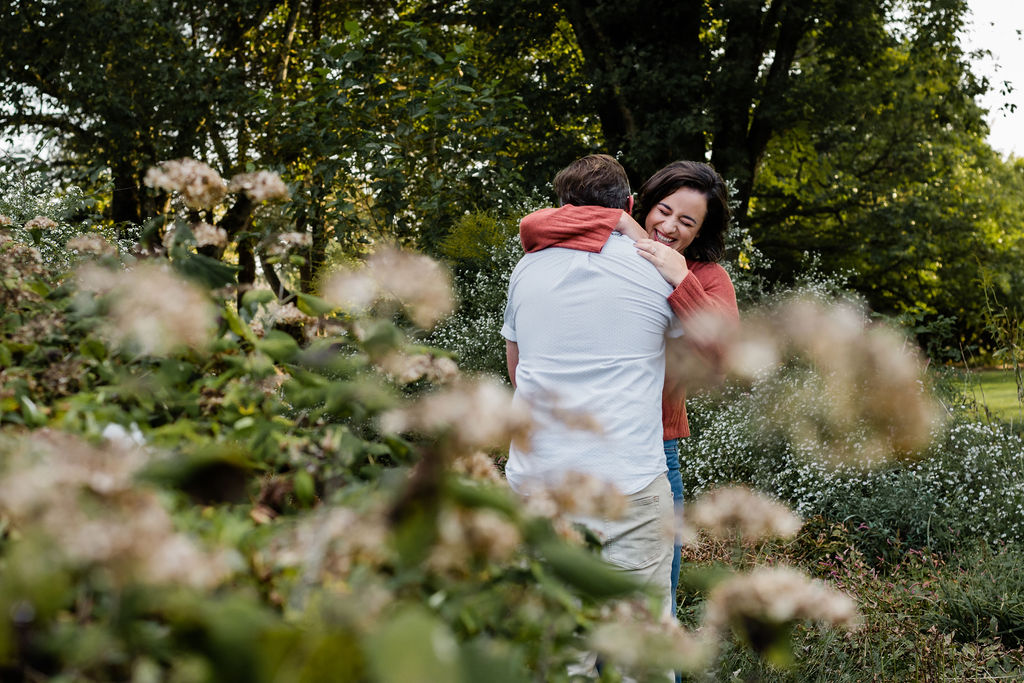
[(997, 389)]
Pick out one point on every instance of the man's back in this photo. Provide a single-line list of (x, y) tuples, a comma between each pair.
[(590, 330)]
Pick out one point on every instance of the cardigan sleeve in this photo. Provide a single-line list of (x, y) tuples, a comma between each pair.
[(706, 287), (584, 228)]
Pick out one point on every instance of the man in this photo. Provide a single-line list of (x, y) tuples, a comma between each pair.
[(585, 336)]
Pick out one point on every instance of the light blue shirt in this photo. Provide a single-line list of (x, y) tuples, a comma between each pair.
[(591, 333)]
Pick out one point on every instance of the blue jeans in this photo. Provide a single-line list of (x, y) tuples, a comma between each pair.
[(675, 480)]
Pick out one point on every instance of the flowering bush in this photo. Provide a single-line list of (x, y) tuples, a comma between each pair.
[(968, 483)]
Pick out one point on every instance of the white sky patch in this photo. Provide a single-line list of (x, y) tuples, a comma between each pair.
[(998, 26)]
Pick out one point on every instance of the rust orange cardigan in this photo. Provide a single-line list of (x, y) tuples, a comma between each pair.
[(706, 286)]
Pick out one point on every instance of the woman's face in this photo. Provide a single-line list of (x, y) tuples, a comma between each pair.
[(676, 219)]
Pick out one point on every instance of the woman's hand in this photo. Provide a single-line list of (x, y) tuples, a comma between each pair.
[(630, 228), (669, 262)]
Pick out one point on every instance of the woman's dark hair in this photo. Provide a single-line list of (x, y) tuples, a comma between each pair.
[(709, 245)]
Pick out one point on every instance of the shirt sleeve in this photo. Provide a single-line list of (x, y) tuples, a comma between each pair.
[(508, 328), (706, 287), (584, 228)]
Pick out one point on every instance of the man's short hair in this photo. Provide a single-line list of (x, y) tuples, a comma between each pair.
[(594, 180)]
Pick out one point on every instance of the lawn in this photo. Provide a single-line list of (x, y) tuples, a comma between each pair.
[(997, 389)]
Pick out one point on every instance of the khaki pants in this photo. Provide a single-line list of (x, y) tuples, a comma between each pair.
[(641, 544)]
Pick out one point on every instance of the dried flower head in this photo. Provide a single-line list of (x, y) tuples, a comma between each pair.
[(420, 283), (5, 220), (41, 223), (864, 399), (353, 291), (260, 186), (288, 313), (577, 494), (733, 511), (86, 500), (406, 369), (479, 466), (631, 637), (331, 542), (776, 595), (465, 535), (209, 236), (92, 244), (471, 415), (284, 242), (153, 307), (200, 186)]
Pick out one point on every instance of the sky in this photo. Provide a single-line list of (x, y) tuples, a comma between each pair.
[(998, 26)]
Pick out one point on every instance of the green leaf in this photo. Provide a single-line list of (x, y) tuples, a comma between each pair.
[(209, 271), (255, 297), (305, 487), (586, 572), (414, 647), (312, 305), (237, 325), (91, 347), (278, 345)]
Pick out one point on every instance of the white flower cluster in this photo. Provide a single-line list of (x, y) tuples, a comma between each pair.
[(261, 186), (86, 500), (468, 415), (970, 482), (208, 235), (41, 223), (405, 369), (153, 307), (91, 244), (776, 595), (418, 282), (200, 186), (737, 511)]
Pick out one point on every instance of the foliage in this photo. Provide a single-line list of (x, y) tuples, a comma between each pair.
[(207, 484), (965, 486), (905, 635), (983, 596), (483, 251)]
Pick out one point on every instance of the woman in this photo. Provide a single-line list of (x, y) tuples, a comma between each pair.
[(685, 214)]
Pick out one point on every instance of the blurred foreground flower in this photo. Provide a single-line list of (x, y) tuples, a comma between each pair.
[(733, 511), (577, 495), (209, 236), (416, 281), (200, 186), (405, 369), (153, 307), (260, 186), (465, 535), (40, 223), (469, 415), (92, 244), (631, 638), (86, 500), (758, 606), (330, 543), (868, 401)]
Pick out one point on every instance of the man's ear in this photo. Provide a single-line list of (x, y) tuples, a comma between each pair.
[(629, 205)]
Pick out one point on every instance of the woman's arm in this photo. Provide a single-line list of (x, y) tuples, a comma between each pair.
[(708, 288), (584, 228)]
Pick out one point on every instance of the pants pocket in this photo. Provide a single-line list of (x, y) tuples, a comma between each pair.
[(637, 539)]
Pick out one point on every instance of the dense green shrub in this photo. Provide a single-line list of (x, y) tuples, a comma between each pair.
[(483, 251), (967, 484), (982, 596)]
